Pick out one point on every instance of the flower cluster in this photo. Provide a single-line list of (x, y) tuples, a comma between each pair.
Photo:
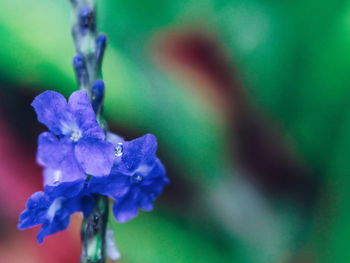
[(81, 160)]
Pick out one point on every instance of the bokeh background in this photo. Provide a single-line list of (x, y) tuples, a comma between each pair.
[(249, 100)]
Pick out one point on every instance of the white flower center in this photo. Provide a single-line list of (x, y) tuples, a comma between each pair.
[(76, 135), (72, 130), (118, 150)]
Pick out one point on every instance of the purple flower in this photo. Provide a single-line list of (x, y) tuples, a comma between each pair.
[(136, 179), (80, 161), (75, 145), (52, 213)]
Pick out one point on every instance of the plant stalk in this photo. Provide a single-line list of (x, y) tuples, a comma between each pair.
[(93, 232), (87, 63)]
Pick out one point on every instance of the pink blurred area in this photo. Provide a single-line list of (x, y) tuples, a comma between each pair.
[(20, 176)]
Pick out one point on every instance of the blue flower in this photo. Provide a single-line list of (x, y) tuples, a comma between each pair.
[(52, 213), (75, 145), (136, 179), (80, 162)]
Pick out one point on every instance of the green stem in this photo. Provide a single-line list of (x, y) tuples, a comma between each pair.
[(93, 232), (90, 49)]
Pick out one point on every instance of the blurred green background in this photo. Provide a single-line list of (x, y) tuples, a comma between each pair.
[(194, 73)]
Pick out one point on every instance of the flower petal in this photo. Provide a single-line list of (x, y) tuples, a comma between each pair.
[(51, 227), (58, 216), (113, 185), (141, 193), (137, 153), (80, 106), (57, 156), (52, 213), (52, 110), (52, 151), (157, 171), (125, 209), (62, 189), (36, 208), (146, 203), (95, 156)]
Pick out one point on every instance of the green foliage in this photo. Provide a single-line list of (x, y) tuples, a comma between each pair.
[(294, 61), (157, 237)]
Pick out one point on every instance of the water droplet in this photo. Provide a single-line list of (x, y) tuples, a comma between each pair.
[(118, 150), (136, 178)]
